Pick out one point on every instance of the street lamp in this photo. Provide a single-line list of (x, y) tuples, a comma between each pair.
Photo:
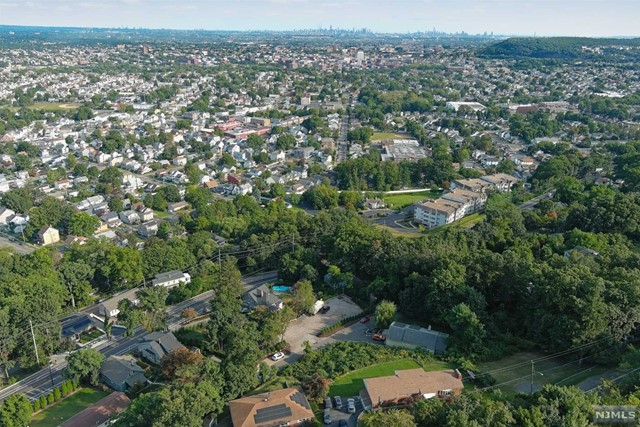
[(533, 372)]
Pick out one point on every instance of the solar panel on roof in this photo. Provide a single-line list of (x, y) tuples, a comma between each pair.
[(301, 400), (272, 413), (400, 325), (414, 327)]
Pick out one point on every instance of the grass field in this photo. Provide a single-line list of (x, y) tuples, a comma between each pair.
[(554, 371), (466, 222), (399, 201), (49, 106), (351, 383), (63, 410), (377, 136), (398, 233)]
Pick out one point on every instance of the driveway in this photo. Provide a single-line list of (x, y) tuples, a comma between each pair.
[(307, 328), (342, 414)]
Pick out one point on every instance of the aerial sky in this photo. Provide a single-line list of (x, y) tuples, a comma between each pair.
[(595, 18)]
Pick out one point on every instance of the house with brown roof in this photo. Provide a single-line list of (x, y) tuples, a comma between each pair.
[(411, 384), (288, 407), (99, 414)]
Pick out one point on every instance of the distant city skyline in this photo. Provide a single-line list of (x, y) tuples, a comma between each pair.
[(593, 18)]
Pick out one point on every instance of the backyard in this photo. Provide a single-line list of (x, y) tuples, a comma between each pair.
[(351, 383), (55, 414), (399, 201)]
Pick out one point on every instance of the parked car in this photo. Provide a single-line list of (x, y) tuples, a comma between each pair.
[(277, 356), (351, 406), (338, 401), (324, 309), (365, 319), (327, 403), (327, 417), (343, 423), (379, 337)]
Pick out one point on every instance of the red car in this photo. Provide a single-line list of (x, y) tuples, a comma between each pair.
[(365, 319), (379, 337)]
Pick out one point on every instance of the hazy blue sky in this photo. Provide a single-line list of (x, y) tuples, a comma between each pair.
[(544, 17)]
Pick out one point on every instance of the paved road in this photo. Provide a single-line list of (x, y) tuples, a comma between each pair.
[(40, 383), (18, 246), (343, 145), (531, 204)]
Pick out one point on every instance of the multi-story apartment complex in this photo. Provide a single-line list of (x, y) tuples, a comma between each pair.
[(468, 196)]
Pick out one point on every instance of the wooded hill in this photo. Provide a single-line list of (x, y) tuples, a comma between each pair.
[(561, 48)]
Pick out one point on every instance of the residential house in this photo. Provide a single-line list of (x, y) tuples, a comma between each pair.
[(156, 345), (76, 324), (109, 307), (412, 384), (148, 229), (286, 407), (411, 336), (48, 235), (121, 373), (171, 279), (145, 214), (5, 215), (579, 251), (262, 296), (100, 413), (374, 203), (175, 207), (130, 217), (111, 219)]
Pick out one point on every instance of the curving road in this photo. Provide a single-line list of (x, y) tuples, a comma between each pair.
[(40, 382)]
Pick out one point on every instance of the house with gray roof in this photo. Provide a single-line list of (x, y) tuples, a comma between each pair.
[(155, 346), (121, 373), (411, 336), (262, 296)]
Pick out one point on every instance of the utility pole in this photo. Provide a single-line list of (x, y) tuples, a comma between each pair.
[(532, 373), (35, 346)]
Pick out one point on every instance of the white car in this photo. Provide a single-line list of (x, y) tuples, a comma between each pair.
[(277, 356), (351, 406)]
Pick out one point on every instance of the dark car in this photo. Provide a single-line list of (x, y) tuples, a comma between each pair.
[(325, 309), (342, 423)]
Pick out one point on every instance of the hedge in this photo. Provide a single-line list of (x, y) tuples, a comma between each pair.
[(332, 329)]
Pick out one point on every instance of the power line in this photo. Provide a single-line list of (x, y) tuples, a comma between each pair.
[(543, 358)]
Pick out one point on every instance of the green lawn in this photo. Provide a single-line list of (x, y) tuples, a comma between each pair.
[(55, 414), (466, 222), (351, 383), (399, 201), (89, 336), (399, 233), (377, 136), (557, 370)]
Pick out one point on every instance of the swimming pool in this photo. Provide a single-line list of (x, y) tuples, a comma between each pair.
[(282, 289)]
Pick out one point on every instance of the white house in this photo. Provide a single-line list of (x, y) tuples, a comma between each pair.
[(171, 279)]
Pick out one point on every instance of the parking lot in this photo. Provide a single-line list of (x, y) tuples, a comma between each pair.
[(342, 414), (307, 328)]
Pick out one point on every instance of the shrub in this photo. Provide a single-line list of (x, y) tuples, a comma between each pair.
[(50, 399), (43, 402), (56, 394), (339, 325), (36, 405)]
